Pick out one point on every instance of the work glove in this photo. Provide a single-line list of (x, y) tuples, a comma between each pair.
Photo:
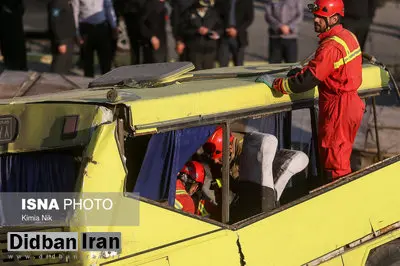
[(266, 79), (293, 71)]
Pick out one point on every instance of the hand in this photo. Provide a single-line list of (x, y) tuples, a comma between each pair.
[(155, 42), (232, 32), (115, 33), (285, 29), (203, 30), (214, 35), (62, 49), (266, 79), (180, 47), (79, 40), (293, 71)]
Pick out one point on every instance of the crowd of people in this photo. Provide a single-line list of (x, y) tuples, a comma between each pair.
[(205, 31)]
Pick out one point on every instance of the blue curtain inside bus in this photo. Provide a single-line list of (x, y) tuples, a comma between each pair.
[(165, 156), (37, 172)]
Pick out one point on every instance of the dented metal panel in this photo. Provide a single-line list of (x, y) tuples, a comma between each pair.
[(40, 126)]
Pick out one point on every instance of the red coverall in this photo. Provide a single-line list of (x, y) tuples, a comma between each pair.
[(183, 201), (337, 70)]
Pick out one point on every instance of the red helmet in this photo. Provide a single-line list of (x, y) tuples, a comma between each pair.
[(194, 170), (213, 146), (327, 8)]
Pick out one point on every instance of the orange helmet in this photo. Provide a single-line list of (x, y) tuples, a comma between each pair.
[(327, 8), (194, 170), (213, 146)]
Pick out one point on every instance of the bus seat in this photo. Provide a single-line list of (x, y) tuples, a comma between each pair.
[(257, 157), (286, 164), (256, 164), (271, 170)]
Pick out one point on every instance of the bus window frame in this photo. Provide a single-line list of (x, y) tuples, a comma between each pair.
[(225, 119)]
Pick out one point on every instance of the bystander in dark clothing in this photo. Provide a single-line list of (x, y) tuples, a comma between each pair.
[(153, 29), (237, 16), (94, 20), (12, 36), (201, 28), (131, 11), (358, 17), (62, 35), (283, 18), (114, 42), (179, 7)]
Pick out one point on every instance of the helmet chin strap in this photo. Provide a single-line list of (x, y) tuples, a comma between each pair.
[(328, 27)]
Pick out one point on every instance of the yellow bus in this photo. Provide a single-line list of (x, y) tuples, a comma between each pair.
[(133, 128)]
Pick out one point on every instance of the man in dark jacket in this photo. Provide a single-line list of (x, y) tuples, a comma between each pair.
[(131, 11), (201, 29), (358, 18), (237, 16), (62, 34), (152, 25), (179, 8), (12, 38)]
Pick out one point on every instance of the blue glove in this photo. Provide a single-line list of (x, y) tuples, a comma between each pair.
[(266, 79)]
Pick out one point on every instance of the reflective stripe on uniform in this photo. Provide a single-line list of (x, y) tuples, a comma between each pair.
[(178, 205), (349, 55), (201, 209), (286, 86), (180, 192), (219, 182)]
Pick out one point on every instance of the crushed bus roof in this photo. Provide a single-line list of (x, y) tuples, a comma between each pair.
[(198, 94)]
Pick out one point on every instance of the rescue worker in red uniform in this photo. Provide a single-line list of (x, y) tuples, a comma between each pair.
[(212, 159), (194, 175), (213, 149), (337, 71), (183, 201), (189, 196)]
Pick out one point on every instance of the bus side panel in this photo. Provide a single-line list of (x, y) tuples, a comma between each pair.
[(336, 261), (218, 248), (359, 255), (326, 222), (155, 227)]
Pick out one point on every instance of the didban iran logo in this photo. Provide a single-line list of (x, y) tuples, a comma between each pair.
[(64, 241)]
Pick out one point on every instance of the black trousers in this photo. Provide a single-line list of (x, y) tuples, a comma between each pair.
[(360, 28), (202, 60), (132, 22), (96, 38), (228, 47), (62, 63), (12, 41), (154, 56), (282, 50), (184, 56)]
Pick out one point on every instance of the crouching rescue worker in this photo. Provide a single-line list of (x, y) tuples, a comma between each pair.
[(194, 176), (183, 201), (212, 160), (337, 70), (213, 149)]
